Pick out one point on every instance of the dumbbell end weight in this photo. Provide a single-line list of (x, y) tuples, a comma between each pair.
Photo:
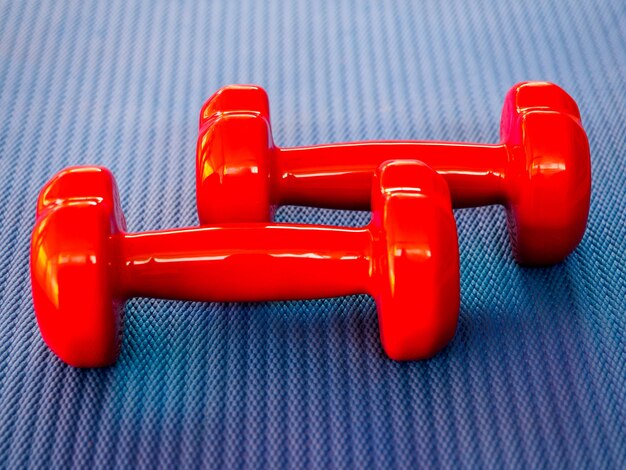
[(548, 176), (78, 308), (416, 264), (233, 170)]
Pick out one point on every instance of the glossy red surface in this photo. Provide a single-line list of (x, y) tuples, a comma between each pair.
[(540, 171), (84, 265)]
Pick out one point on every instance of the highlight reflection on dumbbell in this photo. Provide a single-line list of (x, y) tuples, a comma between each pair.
[(540, 171), (84, 265)]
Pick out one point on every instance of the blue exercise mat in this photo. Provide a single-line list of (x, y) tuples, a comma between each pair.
[(536, 375)]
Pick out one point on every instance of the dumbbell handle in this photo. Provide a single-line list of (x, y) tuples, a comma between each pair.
[(340, 175), (243, 263)]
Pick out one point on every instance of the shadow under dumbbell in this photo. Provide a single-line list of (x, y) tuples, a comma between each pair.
[(158, 331)]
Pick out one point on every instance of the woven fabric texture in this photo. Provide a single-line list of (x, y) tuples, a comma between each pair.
[(536, 375)]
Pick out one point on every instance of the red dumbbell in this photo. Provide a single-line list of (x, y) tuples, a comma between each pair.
[(83, 264), (540, 172)]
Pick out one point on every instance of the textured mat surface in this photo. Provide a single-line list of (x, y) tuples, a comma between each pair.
[(536, 374)]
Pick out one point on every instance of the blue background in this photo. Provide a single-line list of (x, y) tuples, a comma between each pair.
[(536, 374)]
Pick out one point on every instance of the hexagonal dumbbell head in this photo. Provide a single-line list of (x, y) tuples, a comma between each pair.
[(73, 293), (416, 260), (232, 159), (233, 167), (549, 173)]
